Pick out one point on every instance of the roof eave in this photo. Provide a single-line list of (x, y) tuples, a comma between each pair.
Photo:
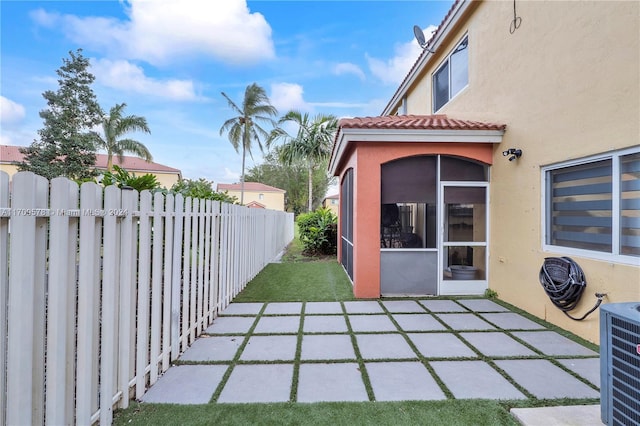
[(352, 135), (424, 57)]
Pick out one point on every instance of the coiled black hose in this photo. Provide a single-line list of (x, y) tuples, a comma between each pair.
[(564, 282)]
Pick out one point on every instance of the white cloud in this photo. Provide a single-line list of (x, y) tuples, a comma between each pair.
[(10, 111), (165, 31), (288, 96), (348, 68), (231, 176), (123, 75), (394, 70)]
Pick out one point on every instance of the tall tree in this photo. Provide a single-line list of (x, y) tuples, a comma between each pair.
[(293, 179), (114, 126), (311, 144), (67, 143), (244, 128)]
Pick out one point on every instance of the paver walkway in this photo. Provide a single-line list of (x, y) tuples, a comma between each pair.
[(377, 351)]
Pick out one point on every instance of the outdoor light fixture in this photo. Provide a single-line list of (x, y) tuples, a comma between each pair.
[(513, 152)]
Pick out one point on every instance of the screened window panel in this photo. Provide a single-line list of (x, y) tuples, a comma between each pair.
[(441, 86), (581, 206), (630, 204), (346, 222), (409, 180), (459, 68)]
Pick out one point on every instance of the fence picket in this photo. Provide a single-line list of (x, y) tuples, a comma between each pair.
[(86, 383), (4, 290), (144, 276), (114, 285), (156, 284)]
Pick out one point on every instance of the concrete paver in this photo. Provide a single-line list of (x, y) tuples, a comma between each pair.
[(443, 306), (465, 322), (283, 308), (243, 309), (475, 380), (327, 346), (325, 324), (375, 323), (270, 348), (368, 307), (404, 306), (440, 345), (288, 324), (418, 322), (588, 368), (186, 384), (323, 308), (545, 380), (483, 305), (231, 325), (331, 382), (402, 381), (496, 344), (218, 348), (573, 415), (552, 343), (384, 346), (511, 321), (258, 383)]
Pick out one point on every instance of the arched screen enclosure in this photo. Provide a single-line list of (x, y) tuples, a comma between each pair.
[(433, 226)]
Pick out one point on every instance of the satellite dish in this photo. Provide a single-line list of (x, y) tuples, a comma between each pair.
[(417, 31), (419, 36)]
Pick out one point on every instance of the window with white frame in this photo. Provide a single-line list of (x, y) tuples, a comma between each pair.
[(452, 76), (594, 204)]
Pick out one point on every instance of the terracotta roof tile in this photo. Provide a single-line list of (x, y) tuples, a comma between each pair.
[(12, 154), (416, 122), (248, 186)]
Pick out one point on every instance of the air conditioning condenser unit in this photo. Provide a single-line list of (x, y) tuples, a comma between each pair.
[(620, 363)]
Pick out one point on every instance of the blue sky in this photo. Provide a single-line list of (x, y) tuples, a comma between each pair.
[(170, 61)]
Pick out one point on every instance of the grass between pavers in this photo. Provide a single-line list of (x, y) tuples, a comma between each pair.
[(302, 279), (449, 412)]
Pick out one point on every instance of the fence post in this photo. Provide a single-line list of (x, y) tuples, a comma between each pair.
[(4, 292), (61, 303), (25, 387)]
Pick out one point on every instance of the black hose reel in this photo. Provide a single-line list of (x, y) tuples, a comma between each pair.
[(564, 282)]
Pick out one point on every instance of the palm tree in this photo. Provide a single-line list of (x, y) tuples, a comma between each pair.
[(245, 128), (311, 144), (115, 126)]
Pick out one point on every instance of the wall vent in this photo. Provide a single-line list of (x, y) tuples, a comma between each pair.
[(620, 363)]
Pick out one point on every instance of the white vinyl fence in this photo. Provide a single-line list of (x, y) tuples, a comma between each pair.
[(100, 289)]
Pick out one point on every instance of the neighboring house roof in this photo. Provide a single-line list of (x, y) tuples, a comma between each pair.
[(256, 205), (411, 128), (248, 186), (332, 197), (11, 154)]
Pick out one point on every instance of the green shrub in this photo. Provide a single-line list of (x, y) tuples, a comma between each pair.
[(318, 232), (203, 189), (121, 178)]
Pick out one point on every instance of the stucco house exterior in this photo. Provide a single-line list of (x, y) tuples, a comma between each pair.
[(256, 195), (167, 176), (506, 143), (332, 203)]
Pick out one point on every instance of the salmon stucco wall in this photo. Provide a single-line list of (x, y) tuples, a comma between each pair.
[(366, 160)]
